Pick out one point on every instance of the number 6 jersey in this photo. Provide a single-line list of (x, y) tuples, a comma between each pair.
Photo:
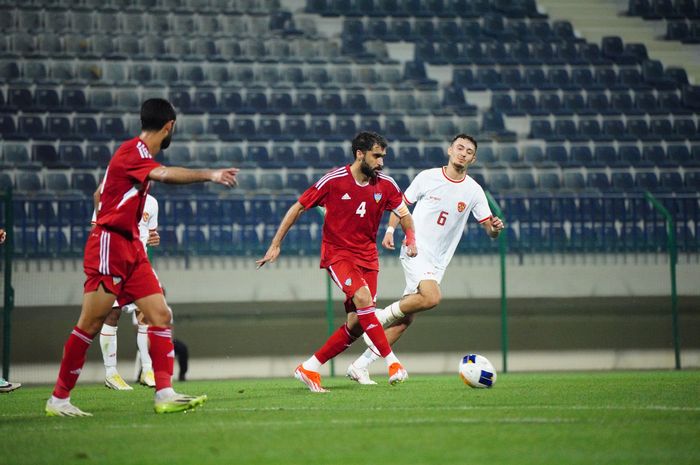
[(353, 215), (442, 209)]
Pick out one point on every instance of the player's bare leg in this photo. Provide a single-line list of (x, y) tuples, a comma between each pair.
[(108, 344), (162, 352), (395, 318), (96, 306)]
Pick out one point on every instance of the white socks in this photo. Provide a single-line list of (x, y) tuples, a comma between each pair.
[(390, 314), (165, 393), (366, 359), (391, 358), (142, 343), (108, 344), (312, 364)]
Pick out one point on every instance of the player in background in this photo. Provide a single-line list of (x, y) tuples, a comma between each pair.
[(148, 235), (355, 198), (116, 264), (6, 386), (443, 197)]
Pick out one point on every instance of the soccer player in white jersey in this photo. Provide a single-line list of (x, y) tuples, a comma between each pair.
[(443, 197), (148, 235)]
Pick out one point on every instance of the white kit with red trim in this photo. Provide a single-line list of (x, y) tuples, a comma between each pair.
[(442, 208)]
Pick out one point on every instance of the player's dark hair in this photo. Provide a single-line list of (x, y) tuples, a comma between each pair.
[(465, 136), (365, 140), (155, 112)]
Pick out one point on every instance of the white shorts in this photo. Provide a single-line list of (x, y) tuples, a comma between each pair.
[(417, 269)]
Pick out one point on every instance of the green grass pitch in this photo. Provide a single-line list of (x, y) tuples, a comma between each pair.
[(553, 418)]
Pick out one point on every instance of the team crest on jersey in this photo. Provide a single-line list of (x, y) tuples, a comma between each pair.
[(146, 216), (377, 196), (461, 206), (116, 280), (348, 282)]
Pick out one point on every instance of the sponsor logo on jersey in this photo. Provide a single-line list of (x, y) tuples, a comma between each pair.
[(377, 197), (348, 282), (461, 206), (345, 197)]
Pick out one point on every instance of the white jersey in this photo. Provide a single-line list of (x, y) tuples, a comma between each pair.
[(149, 221), (442, 209)]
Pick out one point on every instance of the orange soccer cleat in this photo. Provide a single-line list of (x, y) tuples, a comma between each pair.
[(312, 379)]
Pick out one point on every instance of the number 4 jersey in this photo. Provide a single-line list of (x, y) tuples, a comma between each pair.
[(442, 209), (353, 215)]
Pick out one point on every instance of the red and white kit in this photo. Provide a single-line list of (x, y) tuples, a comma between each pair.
[(114, 254), (353, 214)]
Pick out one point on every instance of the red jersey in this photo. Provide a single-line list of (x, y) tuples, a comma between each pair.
[(353, 215), (124, 188)]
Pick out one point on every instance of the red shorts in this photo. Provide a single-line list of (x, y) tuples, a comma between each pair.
[(120, 264), (350, 277)]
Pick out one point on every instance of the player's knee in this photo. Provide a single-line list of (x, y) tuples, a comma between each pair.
[(362, 298), (431, 299)]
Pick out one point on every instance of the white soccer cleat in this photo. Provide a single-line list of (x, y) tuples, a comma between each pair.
[(312, 379), (63, 408), (361, 375), (117, 383), (397, 374), (147, 378), (6, 386), (178, 403)]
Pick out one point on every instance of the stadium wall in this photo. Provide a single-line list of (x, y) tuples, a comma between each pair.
[(59, 282)]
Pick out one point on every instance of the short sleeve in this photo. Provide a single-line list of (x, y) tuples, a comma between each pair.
[(481, 210), (413, 191), (314, 196), (139, 165)]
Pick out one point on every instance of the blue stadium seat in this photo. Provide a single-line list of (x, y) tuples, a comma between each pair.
[(84, 182), (622, 182), (646, 181), (605, 155), (46, 156)]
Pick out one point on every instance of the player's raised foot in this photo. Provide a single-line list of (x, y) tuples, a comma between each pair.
[(312, 379), (397, 374), (116, 382), (147, 378), (361, 375), (63, 408), (177, 402)]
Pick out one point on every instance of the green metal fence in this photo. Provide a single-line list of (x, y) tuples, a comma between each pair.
[(8, 297)]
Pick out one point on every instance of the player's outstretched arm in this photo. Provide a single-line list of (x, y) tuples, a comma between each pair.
[(178, 175), (493, 226), (388, 241), (409, 230), (288, 221)]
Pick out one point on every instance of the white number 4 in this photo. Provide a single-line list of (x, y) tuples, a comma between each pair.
[(361, 210)]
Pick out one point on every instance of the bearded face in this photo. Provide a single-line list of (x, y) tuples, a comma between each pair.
[(368, 171), (166, 142)]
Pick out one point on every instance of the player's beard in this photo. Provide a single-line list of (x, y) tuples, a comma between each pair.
[(368, 171), (166, 142)]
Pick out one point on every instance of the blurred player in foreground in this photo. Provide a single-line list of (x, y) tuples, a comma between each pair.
[(6, 386), (148, 234), (355, 197), (116, 265), (443, 197)]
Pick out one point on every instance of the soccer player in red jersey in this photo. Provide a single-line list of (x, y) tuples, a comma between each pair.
[(355, 198), (116, 264)]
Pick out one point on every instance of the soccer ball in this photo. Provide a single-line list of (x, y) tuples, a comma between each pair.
[(476, 371)]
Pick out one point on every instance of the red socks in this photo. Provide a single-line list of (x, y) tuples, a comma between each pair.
[(72, 363), (338, 342), (162, 354), (373, 328)]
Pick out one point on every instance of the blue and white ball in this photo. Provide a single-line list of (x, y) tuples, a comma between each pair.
[(477, 372)]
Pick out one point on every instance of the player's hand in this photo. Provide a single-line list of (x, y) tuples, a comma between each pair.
[(270, 256), (226, 176), (497, 224), (411, 250), (3, 235), (388, 241), (153, 238)]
